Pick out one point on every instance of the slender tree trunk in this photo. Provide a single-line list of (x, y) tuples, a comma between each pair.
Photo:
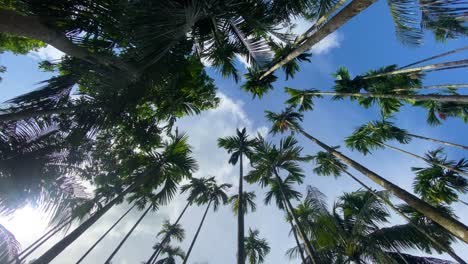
[(440, 86), (60, 246), (435, 57), (308, 246), (418, 228), (156, 252), (14, 23), (196, 234), (240, 217), (108, 261), (105, 234), (34, 113), (452, 225), (30, 249), (416, 97), (423, 159), (320, 21), (345, 14), (437, 66), (439, 141), (301, 252)]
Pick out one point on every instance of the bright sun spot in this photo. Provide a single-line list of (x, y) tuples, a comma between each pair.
[(27, 224)]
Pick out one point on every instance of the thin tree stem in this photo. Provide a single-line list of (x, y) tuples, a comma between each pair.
[(424, 159), (299, 246), (156, 252), (440, 86), (104, 235), (343, 16), (196, 234), (308, 246), (400, 213), (108, 261), (435, 57), (240, 216), (449, 223), (440, 141), (436, 66), (416, 97)]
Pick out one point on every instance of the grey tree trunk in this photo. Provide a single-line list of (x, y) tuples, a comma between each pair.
[(156, 252), (240, 217), (196, 234), (439, 141), (108, 261), (301, 252), (416, 97), (290, 209), (439, 86), (452, 225), (14, 23), (435, 57), (345, 14), (105, 234)]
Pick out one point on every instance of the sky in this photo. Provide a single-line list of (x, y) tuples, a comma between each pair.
[(366, 42)]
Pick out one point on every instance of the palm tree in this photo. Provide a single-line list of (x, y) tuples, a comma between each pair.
[(373, 136), (239, 146), (215, 195), (267, 163), (328, 165), (256, 248), (248, 200), (9, 246), (171, 164), (289, 119), (437, 185), (171, 254), (168, 232)]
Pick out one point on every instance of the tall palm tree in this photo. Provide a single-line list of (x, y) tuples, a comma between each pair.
[(373, 136), (171, 253), (239, 146), (215, 195), (256, 248), (438, 185), (170, 164), (328, 165), (168, 232), (289, 119), (268, 162)]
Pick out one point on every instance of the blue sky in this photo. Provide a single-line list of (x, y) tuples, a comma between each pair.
[(366, 42)]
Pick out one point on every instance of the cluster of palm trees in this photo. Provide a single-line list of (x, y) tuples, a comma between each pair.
[(131, 69)]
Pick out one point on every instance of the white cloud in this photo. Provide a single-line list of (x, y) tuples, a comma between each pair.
[(327, 44), (46, 53)]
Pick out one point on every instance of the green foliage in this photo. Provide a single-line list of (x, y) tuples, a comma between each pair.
[(301, 98), (247, 202), (237, 145), (18, 45), (256, 248), (285, 120), (281, 51), (437, 185), (258, 87), (327, 164), (440, 111)]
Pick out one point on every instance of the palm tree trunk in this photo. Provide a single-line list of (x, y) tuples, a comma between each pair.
[(196, 234), (439, 141), (240, 217), (34, 113), (60, 246), (31, 248), (437, 66), (308, 246), (416, 97), (440, 86), (435, 57), (320, 21), (156, 252), (108, 261), (104, 235), (423, 159), (400, 213), (12, 22), (452, 225), (301, 252), (345, 14)]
